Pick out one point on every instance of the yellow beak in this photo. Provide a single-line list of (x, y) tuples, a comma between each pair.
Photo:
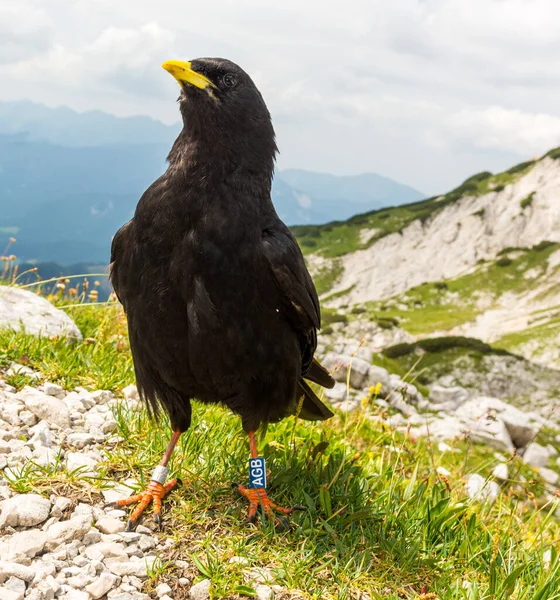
[(183, 73)]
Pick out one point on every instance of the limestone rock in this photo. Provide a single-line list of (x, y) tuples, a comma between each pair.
[(24, 510), (536, 455), (201, 590), (105, 582), (49, 408), (452, 397), (479, 488), (519, 426), (23, 310)]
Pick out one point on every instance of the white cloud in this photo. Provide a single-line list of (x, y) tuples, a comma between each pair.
[(25, 30), (500, 128), (426, 91)]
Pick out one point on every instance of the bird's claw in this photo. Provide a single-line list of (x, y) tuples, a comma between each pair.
[(155, 493), (257, 497)]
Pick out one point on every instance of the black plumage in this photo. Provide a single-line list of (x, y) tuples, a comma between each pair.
[(220, 305)]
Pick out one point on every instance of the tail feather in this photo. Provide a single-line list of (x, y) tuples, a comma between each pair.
[(312, 408), (318, 374)]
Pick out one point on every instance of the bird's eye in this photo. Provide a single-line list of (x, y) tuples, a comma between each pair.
[(230, 80)]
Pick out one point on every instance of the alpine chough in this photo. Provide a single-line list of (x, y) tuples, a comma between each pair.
[(220, 305)]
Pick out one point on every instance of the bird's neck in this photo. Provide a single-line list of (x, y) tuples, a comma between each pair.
[(196, 158)]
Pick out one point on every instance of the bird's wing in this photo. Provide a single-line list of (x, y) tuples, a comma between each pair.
[(295, 284), (118, 246)]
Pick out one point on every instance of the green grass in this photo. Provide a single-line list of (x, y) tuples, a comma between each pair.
[(379, 518)]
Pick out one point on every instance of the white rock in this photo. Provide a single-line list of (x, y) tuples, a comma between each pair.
[(519, 425), (105, 582), (102, 396), (79, 440), (443, 447), (46, 456), (549, 475), (163, 589), (479, 488), (51, 389), (130, 392), (60, 505), (7, 593), (118, 492), (63, 531), (536, 455), (377, 375), (12, 569), (450, 396), (348, 406), (337, 393), (110, 525), (75, 595), (16, 585), (24, 544), (501, 471), (42, 435), (201, 590), (338, 366), (23, 310), (24, 510), (17, 369), (85, 463), (103, 550), (134, 566), (45, 407), (79, 581), (264, 592), (443, 471)]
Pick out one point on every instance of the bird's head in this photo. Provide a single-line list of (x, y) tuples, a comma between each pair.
[(223, 110)]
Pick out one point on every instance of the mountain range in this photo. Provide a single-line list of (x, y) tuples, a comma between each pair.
[(68, 180)]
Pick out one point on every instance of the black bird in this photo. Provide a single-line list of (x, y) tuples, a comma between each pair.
[(220, 305)]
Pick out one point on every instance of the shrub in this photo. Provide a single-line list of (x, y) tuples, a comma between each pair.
[(504, 261), (543, 245), (521, 167), (444, 343), (499, 188), (478, 177), (358, 310), (509, 249), (479, 213), (398, 350), (329, 317), (387, 322), (527, 201), (441, 285), (554, 153), (308, 243)]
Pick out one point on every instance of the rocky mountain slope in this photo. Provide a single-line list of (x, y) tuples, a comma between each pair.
[(481, 261)]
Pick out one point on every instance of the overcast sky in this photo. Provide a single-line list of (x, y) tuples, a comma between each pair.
[(424, 91)]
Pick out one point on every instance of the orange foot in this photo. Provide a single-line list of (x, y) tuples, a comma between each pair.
[(155, 492), (258, 497)]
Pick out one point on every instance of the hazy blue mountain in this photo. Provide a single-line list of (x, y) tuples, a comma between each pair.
[(343, 196), (69, 180), (67, 127)]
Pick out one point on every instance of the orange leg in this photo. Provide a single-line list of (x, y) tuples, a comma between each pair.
[(156, 491), (257, 496)]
